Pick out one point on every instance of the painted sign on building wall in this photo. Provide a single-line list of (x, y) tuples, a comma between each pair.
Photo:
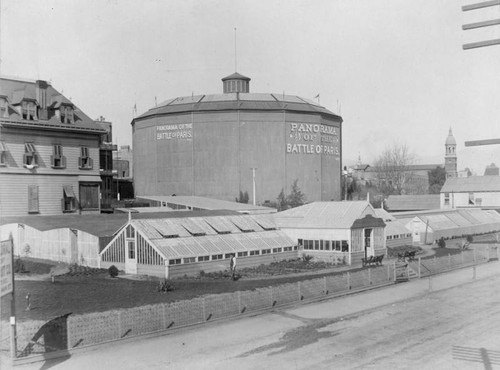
[(181, 131), (313, 138), (5, 267)]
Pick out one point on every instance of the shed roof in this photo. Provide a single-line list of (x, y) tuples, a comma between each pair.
[(471, 184), (206, 203), (324, 215), (412, 202)]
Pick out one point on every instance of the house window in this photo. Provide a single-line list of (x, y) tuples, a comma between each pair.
[(68, 202), (30, 158), (3, 154), (471, 199), (254, 253), (266, 251), (33, 199), (203, 258), (190, 260), (277, 250), (57, 159), (66, 114), (345, 246), (287, 249), (89, 196), (216, 257), (130, 232), (479, 201), (242, 254), (84, 161), (28, 110), (3, 108), (446, 199), (176, 261), (228, 255)]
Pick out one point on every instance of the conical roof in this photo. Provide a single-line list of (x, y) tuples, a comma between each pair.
[(450, 140)]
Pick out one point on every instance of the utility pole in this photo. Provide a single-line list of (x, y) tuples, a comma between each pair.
[(475, 25), (253, 184)]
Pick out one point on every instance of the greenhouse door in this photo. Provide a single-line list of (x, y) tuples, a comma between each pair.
[(130, 258)]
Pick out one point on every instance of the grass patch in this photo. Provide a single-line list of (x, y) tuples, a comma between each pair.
[(34, 266)]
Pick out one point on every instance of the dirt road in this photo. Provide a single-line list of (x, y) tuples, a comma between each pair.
[(453, 326)]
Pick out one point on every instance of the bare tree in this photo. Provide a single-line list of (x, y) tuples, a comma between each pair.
[(394, 169)]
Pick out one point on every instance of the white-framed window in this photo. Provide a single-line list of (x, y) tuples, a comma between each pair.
[(189, 259), (446, 199), (254, 253), (266, 251), (84, 161), (30, 158), (68, 201), (287, 249), (176, 261), (242, 254), (277, 250), (57, 159), (203, 258), (217, 257), (66, 114), (28, 110), (3, 154)]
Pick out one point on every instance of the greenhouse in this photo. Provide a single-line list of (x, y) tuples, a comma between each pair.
[(172, 247)]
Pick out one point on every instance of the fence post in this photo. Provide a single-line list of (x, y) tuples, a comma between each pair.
[(203, 309), (462, 256), (369, 276), (68, 334), (348, 281), (164, 317), (298, 288), (449, 260), (388, 272), (419, 267), (239, 302), (325, 285), (119, 324), (395, 274)]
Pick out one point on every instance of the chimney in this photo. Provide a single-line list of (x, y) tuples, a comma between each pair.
[(41, 97)]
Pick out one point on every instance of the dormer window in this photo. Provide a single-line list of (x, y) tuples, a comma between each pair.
[(84, 161), (3, 108), (30, 158), (28, 110), (66, 114)]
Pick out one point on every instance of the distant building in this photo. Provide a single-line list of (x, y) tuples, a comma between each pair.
[(218, 145), (450, 157), (473, 191), (491, 170), (122, 162), (464, 173), (49, 152), (106, 149)]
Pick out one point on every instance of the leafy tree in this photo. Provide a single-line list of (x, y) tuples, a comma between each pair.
[(243, 197), (296, 197), (282, 203), (437, 178)]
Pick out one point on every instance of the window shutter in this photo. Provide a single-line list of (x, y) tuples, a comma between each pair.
[(62, 204), (32, 198), (24, 159), (35, 159), (80, 162), (63, 162), (52, 162), (91, 163)]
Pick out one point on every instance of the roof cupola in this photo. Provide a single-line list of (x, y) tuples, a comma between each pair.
[(236, 83)]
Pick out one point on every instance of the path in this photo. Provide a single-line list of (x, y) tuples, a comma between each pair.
[(455, 325)]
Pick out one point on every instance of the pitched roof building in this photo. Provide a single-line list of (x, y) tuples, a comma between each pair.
[(49, 152)]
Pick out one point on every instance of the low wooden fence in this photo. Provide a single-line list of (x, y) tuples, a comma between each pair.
[(76, 331)]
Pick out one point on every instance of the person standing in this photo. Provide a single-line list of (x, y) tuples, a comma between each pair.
[(232, 266)]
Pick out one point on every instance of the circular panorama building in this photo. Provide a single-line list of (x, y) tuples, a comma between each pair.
[(208, 145)]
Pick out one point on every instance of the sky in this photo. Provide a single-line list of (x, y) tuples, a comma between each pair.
[(394, 70)]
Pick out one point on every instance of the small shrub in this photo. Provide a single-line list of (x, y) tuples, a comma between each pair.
[(441, 243), (113, 271), (165, 285), (19, 266), (306, 258), (469, 239)]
